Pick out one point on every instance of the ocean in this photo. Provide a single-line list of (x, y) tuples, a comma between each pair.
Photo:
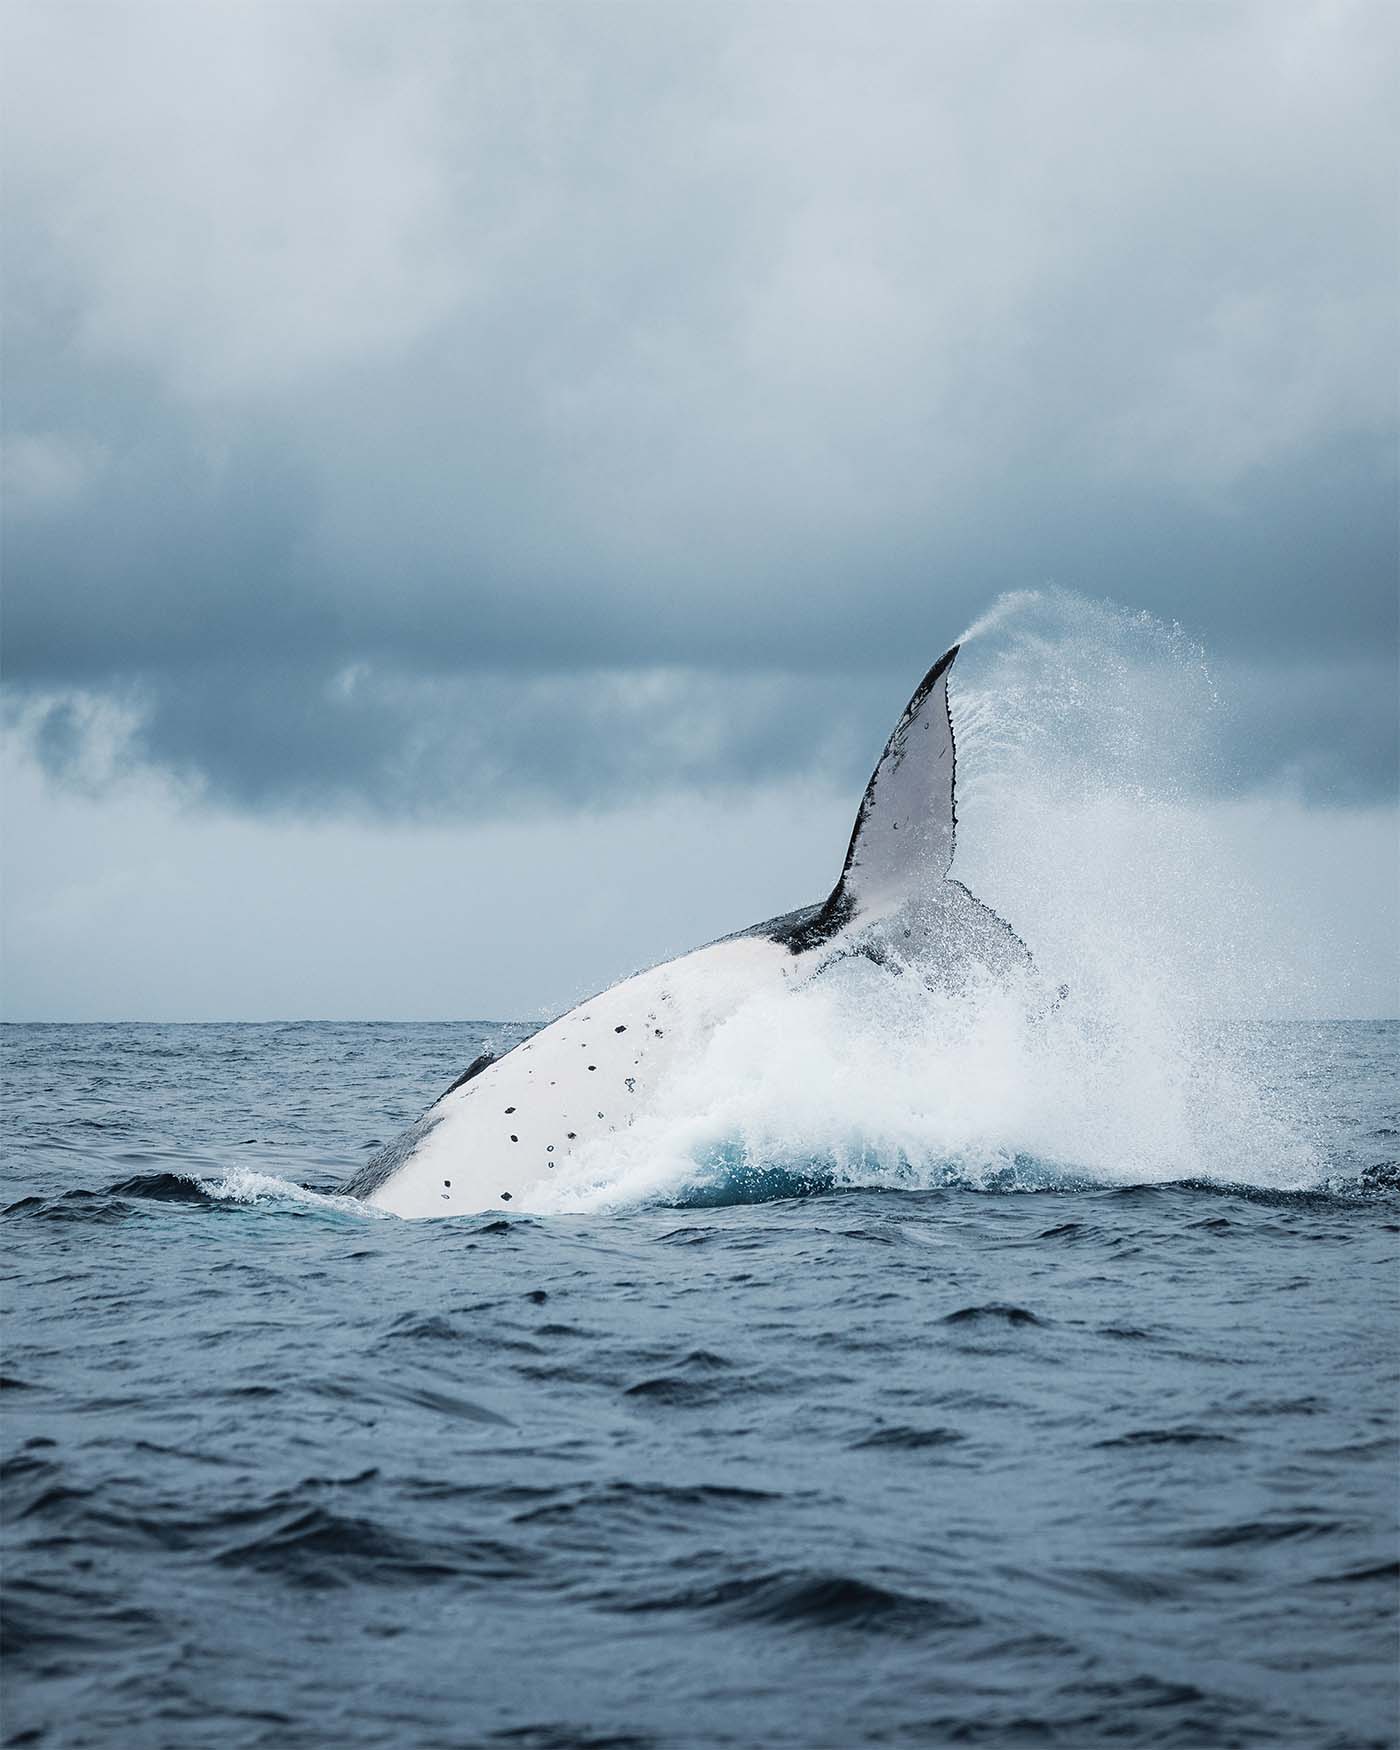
[(879, 1436)]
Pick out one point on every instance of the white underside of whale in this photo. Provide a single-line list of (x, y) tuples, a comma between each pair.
[(501, 1137)]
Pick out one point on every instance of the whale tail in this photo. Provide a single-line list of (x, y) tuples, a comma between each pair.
[(906, 825), (895, 901)]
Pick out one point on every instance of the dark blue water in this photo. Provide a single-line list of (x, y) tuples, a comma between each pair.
[(1073, 1466)]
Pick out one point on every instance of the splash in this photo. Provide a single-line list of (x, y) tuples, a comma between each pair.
[(1088, 764), (865, 1080), (269, 1190), (1015, 603)]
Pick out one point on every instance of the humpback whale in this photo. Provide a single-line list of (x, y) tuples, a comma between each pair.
[(507, 1125)]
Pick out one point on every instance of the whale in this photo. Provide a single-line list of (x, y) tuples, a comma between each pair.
[(504, 1133)]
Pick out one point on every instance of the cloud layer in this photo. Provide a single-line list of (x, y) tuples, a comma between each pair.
[(469, 408)]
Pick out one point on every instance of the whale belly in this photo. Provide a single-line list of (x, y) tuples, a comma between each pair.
[(498, 1140)]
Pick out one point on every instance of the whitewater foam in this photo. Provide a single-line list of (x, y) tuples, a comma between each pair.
[(867, 1080), (248, 1185)]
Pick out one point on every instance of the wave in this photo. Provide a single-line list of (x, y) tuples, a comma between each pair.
[(123, 1200), (249, 1186), (805, 1600)]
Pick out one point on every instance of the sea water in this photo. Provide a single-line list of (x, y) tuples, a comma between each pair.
[(1003, 1451)]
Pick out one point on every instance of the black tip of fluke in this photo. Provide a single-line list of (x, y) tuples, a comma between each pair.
[(939, 669), (931, 680)]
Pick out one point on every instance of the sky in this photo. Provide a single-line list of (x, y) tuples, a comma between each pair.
[(481, 480)]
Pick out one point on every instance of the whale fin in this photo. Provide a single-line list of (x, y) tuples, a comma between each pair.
[(903, 836), (902, 841), (896, 874), (474, 1068)]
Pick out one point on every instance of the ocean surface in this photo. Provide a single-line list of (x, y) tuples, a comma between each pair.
[(772, 1451)]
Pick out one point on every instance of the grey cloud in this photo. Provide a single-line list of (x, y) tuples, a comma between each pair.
[(509, 360), (438, 746), (433, 746)]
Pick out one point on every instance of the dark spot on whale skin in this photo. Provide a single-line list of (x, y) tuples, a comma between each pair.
[(572, 1135), (448, 1183), (799, 931), (619, 1029), (592, 1066), (514, 1137), (505, 1196), (509, 1110), (473, 1069), (549, 1148)]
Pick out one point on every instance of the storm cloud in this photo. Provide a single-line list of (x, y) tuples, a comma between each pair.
[(476, 408)]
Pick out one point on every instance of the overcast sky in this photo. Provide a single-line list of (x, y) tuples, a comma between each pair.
[(466, 464)]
